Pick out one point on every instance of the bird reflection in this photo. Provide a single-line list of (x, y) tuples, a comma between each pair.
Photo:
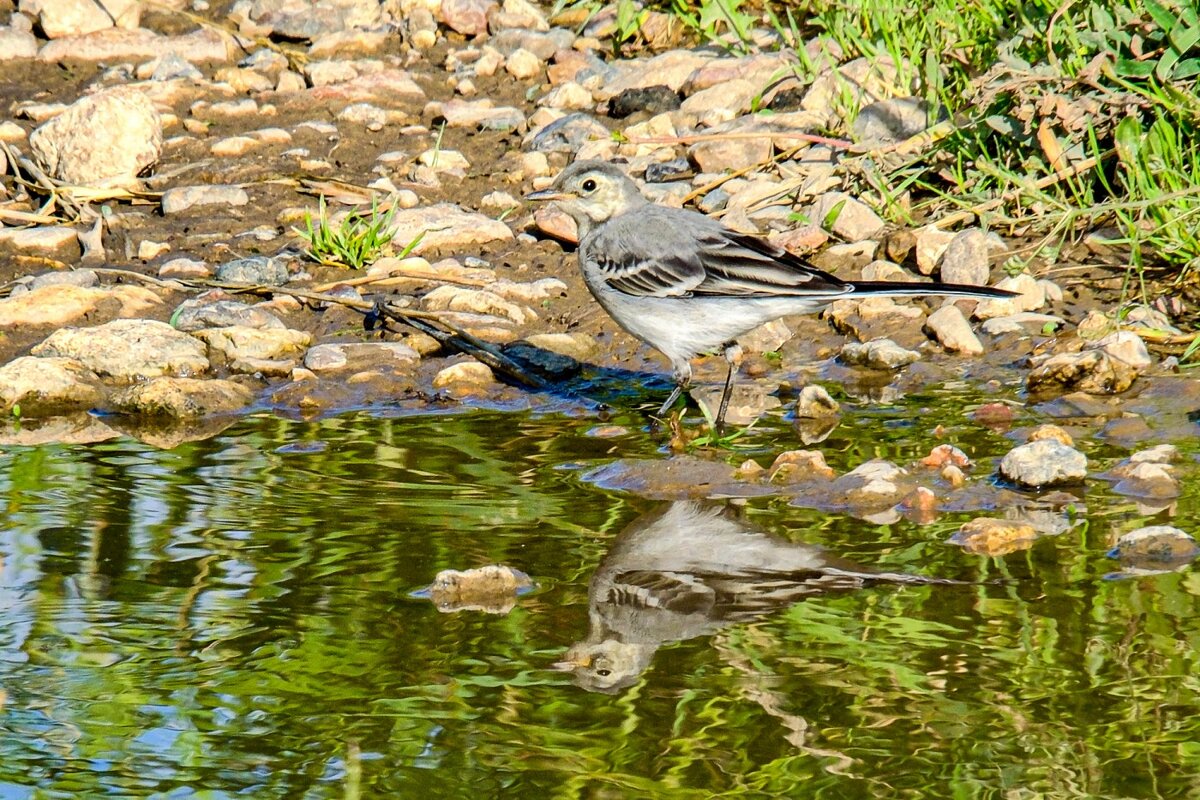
[(690, 569)]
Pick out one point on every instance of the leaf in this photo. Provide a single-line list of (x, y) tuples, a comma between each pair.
[(1166, 65), (1187, 68), (1128, 139), (1130, 68), (1053, 150), (1184, 39), (831, 218), (1161, 16)]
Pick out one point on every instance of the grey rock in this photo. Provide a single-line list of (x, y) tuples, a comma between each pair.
[(253, 350), (480, 115), (102, 140), (650, 99), (1091, 371), (1046, 462), (567, 134), (893, 120), (713, 201), (172, 67), (128, 349), (260, 270), (182, 198), (673, 170), (1019, 323), (74, 277), (543, 44), (196, 314), (966, 258), (1125, 346), (358, 356)]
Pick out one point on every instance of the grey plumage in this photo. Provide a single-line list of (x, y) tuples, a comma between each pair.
[(691, 569), (683, 282)]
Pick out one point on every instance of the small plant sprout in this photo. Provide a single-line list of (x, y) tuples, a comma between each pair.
[(357, 241)]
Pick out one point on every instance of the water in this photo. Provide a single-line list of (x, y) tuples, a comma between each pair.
[(234, 618)]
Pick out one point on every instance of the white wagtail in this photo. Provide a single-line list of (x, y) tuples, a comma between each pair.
[(684, 283), (689, 570)]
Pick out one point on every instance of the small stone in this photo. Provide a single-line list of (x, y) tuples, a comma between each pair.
[(878, 354), (651, 99), (965, 260), (326, 358), (1147, 479), (1051, 432), (468, 17), (1045, 462), (52, 241), (258, 270), (568, 134), (523, 65), (931, 243), (184, 268), (985, 536), (233, 146), (128, 349), (570, 96), (493, 589), (197, 314), (574, 346), (951, 329), (798, 466), (893, 120), (747, 401), (872, 484), (954, 476), (148, 250), (250, 350), (945, 454), (1032, 297), (45, 386), (56, 305), (182, 198), (815, 402), (466, 379), (1155, 547), (749, 470), (15, 44), (1125, 346), (1091, 371), (182, 398), (846, 217), (535, 165)]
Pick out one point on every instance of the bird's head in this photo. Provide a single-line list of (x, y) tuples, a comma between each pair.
[(591, 193)]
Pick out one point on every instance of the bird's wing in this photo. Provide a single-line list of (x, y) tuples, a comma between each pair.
[(657, 251), (680, 593)]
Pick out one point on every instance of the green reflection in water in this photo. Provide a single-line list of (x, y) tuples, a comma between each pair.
[(232, 618)]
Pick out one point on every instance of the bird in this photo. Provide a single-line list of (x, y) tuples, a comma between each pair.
[(685, 284), (689, 569)]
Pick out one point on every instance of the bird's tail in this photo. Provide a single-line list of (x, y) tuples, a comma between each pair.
[(897, 289)]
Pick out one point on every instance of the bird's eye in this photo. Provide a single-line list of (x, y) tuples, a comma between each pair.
[(589, 185), (604, 673)]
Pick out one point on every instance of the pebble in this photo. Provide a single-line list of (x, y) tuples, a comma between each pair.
[(953, 331), (846, 217), (328, 358), (521, 64), (61, 304), (480, 114), (986, 536), (1125, 346), (245, 349), (466, 379), (15, 44), (878, 354), (446, 227), (52, 241), (232, 146), (797, 466), (815, 402), (1042, 463), (569, 96), (182, 198), (930, 244), (965, 259), (260, 270)]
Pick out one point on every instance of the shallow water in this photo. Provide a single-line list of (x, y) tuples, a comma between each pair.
[(235, 617)]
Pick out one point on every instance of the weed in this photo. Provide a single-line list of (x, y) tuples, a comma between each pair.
[(356, 242)]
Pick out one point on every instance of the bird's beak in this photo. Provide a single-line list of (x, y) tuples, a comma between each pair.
[(571, 664), (549, 194)]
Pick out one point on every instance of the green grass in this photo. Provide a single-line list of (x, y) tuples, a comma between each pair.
[(357, 241), (1063, 118)]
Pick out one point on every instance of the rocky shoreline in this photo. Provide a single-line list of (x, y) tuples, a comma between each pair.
[(154, 157)]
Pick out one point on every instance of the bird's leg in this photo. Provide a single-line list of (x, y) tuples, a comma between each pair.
[(682, 373), (733, 355)]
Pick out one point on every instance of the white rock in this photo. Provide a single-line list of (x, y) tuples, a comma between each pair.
[(183, 198), (1126, 346), (951, 329), (47, 384), (103, 140), (1045, 462), (522, 65), (128, 349)]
